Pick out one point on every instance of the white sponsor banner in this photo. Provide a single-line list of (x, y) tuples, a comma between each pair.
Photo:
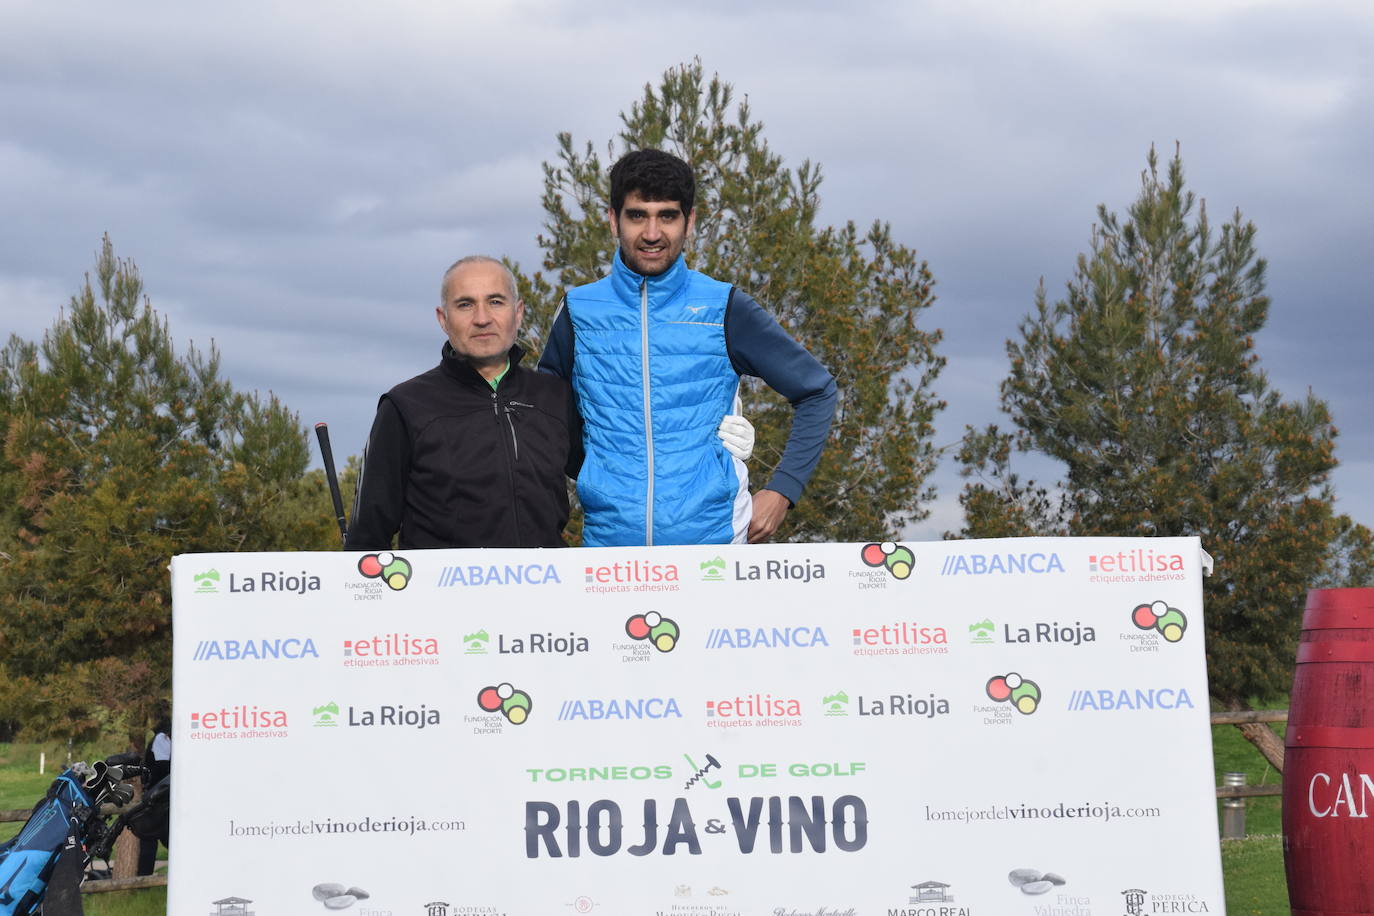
[(961, 728)]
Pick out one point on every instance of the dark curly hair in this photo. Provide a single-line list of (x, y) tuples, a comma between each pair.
[(656, 175)]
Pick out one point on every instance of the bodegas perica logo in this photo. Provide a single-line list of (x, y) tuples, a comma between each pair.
[(394, 570)]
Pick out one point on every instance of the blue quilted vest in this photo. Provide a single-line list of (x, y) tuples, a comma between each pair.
[(653, 380)]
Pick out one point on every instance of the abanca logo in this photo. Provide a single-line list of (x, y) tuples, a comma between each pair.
[(234, 650)]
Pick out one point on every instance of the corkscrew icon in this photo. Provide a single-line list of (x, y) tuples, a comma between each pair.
[(700, 775)]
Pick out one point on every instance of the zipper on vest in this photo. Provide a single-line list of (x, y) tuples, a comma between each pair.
[(510, 465), (648, 413)]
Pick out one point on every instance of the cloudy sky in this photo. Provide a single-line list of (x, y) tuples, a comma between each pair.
[(293, 178)]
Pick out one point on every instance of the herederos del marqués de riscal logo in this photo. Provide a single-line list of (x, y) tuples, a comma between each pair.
[(660, 632), (514, 704), (1022, 694), (897, 559), (1169, 622), (395, 571)]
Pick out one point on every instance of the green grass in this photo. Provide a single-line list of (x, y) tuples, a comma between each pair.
[(150, 901), (1252, 867), (1255, 884)]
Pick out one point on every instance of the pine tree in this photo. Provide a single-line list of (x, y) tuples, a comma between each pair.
[(119, 453), (853, 298), (1144, 384)]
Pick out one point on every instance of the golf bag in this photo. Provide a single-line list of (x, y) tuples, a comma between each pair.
[(66, 826)]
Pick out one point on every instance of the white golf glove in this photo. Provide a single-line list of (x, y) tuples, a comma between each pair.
[(737, 434)]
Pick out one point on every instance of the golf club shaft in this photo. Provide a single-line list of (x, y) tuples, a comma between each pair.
[(327, 454)]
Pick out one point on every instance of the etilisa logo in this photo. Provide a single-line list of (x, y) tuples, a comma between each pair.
[(653, 628), (388, 567), (1143, 564), (619, 709), (753, 710), (766, 638), (1001, 564), (207, 583), (245, 720), (632, 576), (510, 702), (897, 559), (900, 637), (387, 650), (1021, 694), (292, 648)]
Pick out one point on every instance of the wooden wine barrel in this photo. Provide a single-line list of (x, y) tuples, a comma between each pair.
[(1328, 769)]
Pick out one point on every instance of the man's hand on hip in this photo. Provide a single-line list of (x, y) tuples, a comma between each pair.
[(770, 507)]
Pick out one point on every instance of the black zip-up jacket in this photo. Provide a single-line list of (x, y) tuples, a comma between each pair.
[(452, 463)]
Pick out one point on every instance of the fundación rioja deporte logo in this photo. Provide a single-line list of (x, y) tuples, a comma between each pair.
[(514, 704), (1022, 694), (658, 631), (394, 570), (897, 559), (1169, 622)]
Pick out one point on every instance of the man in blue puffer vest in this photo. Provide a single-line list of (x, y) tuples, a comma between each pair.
[(654, 352)]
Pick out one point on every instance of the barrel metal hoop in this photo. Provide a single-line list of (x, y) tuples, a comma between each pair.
[(1310, 652), (1339, 616), (1329, 736)]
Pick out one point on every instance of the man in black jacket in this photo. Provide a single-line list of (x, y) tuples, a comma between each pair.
[(474, 452)]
